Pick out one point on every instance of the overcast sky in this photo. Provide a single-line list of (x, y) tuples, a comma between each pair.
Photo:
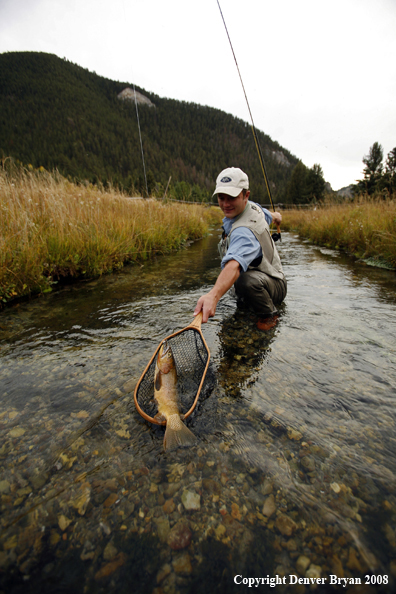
[(320, 75)]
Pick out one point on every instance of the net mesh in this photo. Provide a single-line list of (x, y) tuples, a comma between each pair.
[(191, 357)]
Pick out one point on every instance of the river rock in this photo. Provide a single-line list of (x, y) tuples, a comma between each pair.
[(191, 500), (291, 545), (163, 528), (109, 552), (182, 564), (163, 573), (353, 562), (4, 486), (211, 486), (179, 537), (17, 432), (111, 499), (235, 511), (314, 571), (269, 506), (337, 567), (302, 564), (267, 487), (308, 463), (110, 567), (169, 506), (63, 522), (171, 489), (293, 434), (285, 525), (80, 503)]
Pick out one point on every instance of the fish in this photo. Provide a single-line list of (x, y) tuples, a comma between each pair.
[(165, 394)]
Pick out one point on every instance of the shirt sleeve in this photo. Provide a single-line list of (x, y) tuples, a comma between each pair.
[(244, 248), (267, 214)]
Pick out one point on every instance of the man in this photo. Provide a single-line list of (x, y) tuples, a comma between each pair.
[(250, 260)]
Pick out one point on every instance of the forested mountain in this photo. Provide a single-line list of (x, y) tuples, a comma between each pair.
[(55, 114)]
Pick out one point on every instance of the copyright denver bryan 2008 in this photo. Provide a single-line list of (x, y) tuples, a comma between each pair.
[(293, 579)]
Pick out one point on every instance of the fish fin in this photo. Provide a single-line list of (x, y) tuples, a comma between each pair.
[(177, 434)]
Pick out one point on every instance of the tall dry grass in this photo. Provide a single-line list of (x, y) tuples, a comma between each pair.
[(365, 227), (51, 228)]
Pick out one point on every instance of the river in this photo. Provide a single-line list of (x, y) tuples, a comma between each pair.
[(293, 475)]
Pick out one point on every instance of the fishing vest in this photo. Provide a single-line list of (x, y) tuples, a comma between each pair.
[(254, 219)]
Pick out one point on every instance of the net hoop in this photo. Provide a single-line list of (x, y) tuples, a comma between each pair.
[(195, 325)]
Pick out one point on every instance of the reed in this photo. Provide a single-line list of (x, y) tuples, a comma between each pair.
[(365, 227), (51, 228)]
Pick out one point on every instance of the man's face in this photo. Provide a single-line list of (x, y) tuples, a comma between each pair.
[(232, 207)]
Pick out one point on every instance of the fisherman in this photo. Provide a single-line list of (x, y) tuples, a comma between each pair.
[(250, 260)]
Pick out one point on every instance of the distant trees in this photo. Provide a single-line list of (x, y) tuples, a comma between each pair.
[(376, 178), (390, 171), (306, 185)]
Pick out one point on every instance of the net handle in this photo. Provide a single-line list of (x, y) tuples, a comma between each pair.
[(196, 325)]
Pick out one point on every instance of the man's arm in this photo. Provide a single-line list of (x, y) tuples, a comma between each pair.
[(208, 302)]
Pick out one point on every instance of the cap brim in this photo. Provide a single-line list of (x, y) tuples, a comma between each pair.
[(229, 190)]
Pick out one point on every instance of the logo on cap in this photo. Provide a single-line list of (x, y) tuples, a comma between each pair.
[(225, 180)]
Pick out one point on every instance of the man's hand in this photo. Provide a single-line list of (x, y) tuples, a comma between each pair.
[(207, 304), (276, 218)]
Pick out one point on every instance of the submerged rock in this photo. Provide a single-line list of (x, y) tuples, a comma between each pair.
[(182, 564), (302, 564), (191, 500), (179, 537), (269, 506), (285, 525)]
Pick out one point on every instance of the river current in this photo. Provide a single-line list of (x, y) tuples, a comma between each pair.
[(292, 480)]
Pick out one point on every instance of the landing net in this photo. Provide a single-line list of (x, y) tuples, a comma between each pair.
[(191, 355)]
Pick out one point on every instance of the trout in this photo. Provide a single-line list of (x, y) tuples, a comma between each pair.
[(165, 394)]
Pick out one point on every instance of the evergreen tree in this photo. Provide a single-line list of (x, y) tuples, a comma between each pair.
[(372, 172), (315, 183), (297, 187), (390, 171)]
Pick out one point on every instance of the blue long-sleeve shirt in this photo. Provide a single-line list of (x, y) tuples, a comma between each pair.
[(244, 246)]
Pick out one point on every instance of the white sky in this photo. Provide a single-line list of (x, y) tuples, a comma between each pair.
[(320, 75)]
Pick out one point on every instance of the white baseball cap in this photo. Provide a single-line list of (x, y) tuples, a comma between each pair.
[(231, 181)]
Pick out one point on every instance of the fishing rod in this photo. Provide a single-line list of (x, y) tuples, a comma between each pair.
[(141, 143), (275, 236)]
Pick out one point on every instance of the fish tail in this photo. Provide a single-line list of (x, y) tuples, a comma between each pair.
[(177, 434)]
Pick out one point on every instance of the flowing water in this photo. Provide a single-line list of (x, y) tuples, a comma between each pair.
[(293, 474)]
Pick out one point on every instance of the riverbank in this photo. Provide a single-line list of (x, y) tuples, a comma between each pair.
[(365, 228), (52, 229)]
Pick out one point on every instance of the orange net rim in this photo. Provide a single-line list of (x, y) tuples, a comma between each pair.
[(195, 325)]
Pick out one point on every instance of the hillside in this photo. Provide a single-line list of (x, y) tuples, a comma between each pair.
[(55, 114)]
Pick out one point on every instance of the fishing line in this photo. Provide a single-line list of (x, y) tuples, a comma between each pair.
[(256, 140), (137, 116), (141, 144)]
